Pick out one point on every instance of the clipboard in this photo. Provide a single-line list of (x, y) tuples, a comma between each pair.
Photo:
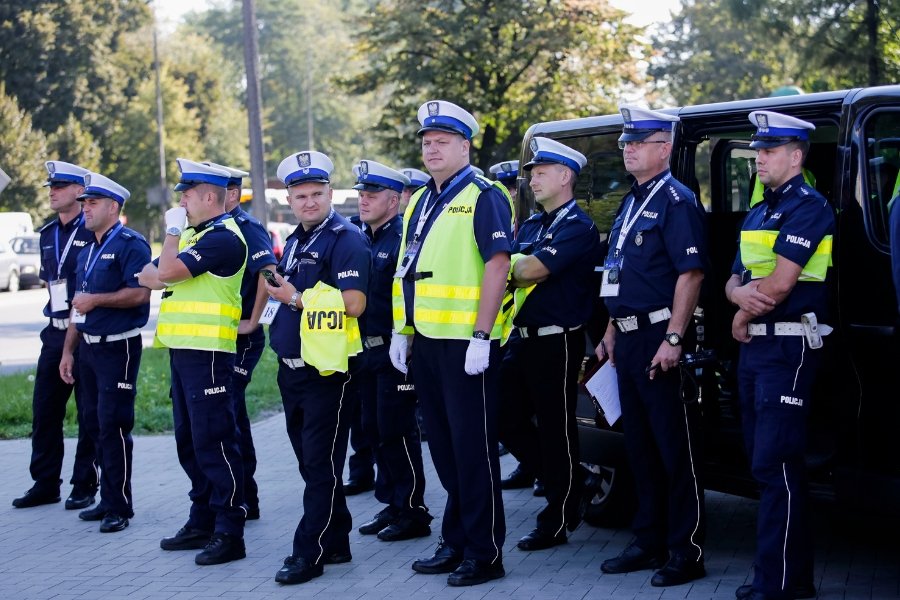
[(601, 384)]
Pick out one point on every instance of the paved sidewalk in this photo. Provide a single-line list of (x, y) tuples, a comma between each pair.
[(49, 553)]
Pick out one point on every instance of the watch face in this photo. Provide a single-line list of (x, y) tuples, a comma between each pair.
[(673, 338)]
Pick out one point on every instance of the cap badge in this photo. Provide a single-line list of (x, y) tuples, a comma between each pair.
[(303, 159), (363, 168), (626, 114), (506, 167), (433, 109), (762, 121), (533, 145), (51, 167), (87, 180)]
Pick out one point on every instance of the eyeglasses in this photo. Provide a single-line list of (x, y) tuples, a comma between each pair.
[(622, 145)]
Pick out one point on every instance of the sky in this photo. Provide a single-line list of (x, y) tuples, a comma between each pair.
[(644, 12)]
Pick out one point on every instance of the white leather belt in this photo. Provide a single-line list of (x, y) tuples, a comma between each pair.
[(783, 329), (60, 323), (373, 341), (96, 339), (527, 332), (294, 363), (634, 322)]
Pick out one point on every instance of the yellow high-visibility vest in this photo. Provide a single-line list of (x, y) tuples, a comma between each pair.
[(328, 337)]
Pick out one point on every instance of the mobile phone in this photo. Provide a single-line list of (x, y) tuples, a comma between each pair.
[(270, 277)]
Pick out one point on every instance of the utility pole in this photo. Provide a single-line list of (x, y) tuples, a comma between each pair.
[(309, 108), (161, 137), (259, 206)]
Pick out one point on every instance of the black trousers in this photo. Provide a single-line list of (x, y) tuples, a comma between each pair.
[(249, 350), (663, 446), (48, 413), (461, 414), (206, 437), (108, 373), (539, 378), (316, 413), (389, 421)]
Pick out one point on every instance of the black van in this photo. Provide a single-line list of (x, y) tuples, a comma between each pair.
[(854, 442)]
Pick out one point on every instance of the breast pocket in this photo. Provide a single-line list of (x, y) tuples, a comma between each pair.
[(106, 276)]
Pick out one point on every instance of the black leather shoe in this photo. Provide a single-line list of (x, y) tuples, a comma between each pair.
[(678, 571), (187, 538), (540, 540), (337, 558), (474, 572), (445, 560), (404, 529), (222, 548), (353, 487), (378, 522), (81, 497), (297, 570), (93, 514), (518, 479), (36, 496), (539, 490), (745, 592), (633, 558), (112, 523)]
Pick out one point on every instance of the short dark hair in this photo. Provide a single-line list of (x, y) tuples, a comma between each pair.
[(802, 146)]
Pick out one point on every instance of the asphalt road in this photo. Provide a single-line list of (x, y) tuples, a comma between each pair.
[(21, 322)]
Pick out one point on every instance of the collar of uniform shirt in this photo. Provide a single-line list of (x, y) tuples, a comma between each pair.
[(640, 191), (772, 197), (548, 217), (208, 223)]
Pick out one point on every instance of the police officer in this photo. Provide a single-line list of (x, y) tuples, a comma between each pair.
[(448, 289), (651, 282), (388, 397), (556, 251), (251, 339), (324, 250), (61, 240), (778, 285), (201, 267), (109, 309), (417, 179), (507, 173)]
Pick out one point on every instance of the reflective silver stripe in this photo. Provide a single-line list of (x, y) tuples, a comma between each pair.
[(784, 329), (96, 339), (294, 363), (526, 332), (626, 324)]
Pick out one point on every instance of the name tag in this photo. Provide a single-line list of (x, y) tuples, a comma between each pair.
[(59, 295), (268, 313), (408, 257)]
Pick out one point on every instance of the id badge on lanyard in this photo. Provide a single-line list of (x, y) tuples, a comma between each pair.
[(612, 270), (408, 258), (269, 312), (59, 295), (77, 317)]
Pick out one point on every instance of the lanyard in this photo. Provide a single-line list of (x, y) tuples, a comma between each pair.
[(313, 237), (88, 265), (629, 222), (62, 259), (539, 239), (425, 214)]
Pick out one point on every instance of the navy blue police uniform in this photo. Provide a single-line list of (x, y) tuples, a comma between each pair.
[(461, 412), (205, 426), (775, 379), (361, 474), (250, 346), (388, 396), (60, 245), (543, 358), (316, 407), (110, 356), (661, 430)]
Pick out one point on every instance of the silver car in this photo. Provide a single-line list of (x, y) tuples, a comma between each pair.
[(9, 268), (28, 247)]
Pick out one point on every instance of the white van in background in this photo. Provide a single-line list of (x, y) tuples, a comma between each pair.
[(14, 224)]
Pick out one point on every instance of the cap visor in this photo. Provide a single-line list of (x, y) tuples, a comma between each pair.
[(85, 196), (448, 129), (637, 135), (368, 187), (307, 180), (184, 186), (761, 143)]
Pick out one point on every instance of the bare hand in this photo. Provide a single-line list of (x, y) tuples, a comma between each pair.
[(65, 368), (667, 357), (84, 303), (739, 326), (750, 299), (606, 346), (283, 292)]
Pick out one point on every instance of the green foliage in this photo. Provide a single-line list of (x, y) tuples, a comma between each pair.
[(153, 407), (511, 63), (20, 146)]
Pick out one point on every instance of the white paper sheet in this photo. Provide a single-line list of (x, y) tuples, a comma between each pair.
[(604, 389)]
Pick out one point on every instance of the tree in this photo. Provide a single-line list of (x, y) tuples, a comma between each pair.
[(509, 62), (19, 145)]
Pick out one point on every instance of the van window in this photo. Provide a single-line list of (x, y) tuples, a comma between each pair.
[(882, 178), (602, 183)]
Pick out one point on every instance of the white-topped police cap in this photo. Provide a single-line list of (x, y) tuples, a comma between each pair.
[(308, 166), (195, 173), (235, 176), (547, 151), (775, 129), (99, 186), (641, 123), (416, 177), (373, 176), (440, 115), (506, 171), (63, 172)]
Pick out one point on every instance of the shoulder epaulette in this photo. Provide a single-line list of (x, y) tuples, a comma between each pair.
[(127, 235), (482, 183), (48, 224)]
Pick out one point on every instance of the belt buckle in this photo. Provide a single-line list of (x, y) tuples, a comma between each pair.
[(628, 324)]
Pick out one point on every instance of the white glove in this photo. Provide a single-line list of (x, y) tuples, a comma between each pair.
[(175, 218), (478, 355), (399, 348)]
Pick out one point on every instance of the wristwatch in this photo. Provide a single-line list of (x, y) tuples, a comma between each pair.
[(293, 303), (673, 339), (481, 335), (173, 231)]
